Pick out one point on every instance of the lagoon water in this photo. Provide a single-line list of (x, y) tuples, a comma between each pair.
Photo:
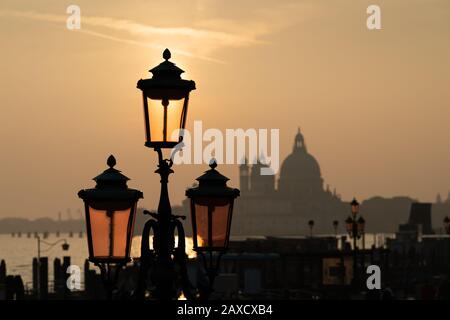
[(18, 252)]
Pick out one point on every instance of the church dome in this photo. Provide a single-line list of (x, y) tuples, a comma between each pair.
[(300, 166)]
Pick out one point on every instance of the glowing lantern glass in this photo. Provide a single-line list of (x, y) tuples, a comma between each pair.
[(211, 211), (165, 98), (110, 212)]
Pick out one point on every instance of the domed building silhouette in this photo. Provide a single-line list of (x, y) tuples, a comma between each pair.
[(267, 209), (300, 172)]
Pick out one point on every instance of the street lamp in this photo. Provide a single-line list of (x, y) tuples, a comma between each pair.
[(361, 230), (447, 225), (110, 210), (165, 99), (355, 228), (355, 207), (335, 227), (65, 247), (211, 213), (311, 225)]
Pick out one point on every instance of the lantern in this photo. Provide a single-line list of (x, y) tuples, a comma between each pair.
[(349, 226), (447, 225), (211, 211), (110, 211), (361, 225), (165, 99), (355, 207), (335, 224), (65, 246)]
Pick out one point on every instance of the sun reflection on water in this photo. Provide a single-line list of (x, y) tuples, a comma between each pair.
[(136, 246)]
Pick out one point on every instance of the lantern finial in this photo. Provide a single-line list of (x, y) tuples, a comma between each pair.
[(167, 54), (111, 162), (213, 163)]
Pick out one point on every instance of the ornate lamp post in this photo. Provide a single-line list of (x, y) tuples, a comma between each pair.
[(361, 230), (311, 226), (446, 222), (355, 229), (335, 227), (165, 99), (65, 247), (110, 210)]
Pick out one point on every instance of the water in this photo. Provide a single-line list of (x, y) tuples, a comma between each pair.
[(18, 253)]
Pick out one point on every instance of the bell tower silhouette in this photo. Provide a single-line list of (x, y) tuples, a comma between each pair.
[(244, 176)]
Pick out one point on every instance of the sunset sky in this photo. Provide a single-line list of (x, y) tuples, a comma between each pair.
[(373, 105)]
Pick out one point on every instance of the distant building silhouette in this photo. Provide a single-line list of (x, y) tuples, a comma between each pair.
[(420, 217), (284, 208), (282, 205)]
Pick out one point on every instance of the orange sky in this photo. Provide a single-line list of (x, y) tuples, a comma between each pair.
[(373, 105)]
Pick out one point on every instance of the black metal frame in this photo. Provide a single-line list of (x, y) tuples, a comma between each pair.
[(109, 272), (165, 258)]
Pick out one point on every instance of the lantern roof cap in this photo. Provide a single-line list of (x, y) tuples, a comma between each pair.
[(111, 177), (167, 66), (111, 184), (212, 183), (166, 75), (212, 175)]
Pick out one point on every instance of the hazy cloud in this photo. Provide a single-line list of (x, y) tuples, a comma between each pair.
[(192, 42)]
